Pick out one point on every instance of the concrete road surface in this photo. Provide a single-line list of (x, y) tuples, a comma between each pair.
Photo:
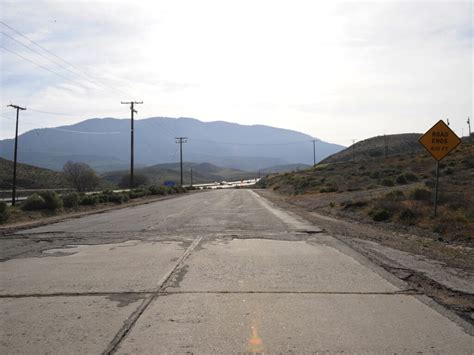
[(213, 272)]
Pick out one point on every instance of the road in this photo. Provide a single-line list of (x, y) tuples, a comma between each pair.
[(220, 271)]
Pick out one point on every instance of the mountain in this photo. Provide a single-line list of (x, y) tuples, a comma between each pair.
[(202, 173), (377, 147), (105, 144)]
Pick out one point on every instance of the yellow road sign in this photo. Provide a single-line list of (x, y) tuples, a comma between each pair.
[(439, 140)]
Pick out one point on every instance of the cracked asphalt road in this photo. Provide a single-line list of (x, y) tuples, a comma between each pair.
[(217, 272)]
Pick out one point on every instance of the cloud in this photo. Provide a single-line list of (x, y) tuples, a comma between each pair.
[(336, 70)]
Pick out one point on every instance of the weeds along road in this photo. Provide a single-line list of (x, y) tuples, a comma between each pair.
[(217, 272)]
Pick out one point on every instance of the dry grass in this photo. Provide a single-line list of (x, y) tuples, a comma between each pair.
[(406, 184)]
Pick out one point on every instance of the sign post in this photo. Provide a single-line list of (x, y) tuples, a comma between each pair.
[(439, 141)]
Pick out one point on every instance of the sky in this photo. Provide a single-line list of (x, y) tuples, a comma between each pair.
[(335, 70)]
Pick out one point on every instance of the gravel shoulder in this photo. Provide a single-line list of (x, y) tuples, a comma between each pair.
[(441, 270)]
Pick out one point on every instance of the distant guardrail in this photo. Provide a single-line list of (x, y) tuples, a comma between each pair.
[(22, 195)]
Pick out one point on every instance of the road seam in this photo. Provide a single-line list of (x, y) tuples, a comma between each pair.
[(133, 318), (150, 293)]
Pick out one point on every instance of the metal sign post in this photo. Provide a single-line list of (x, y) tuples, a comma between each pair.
[(439, 141), (436, 189)]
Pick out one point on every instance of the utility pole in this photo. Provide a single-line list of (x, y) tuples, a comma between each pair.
[(181, 140), (18, 108), (191, 177), (314, 152), (132, 111), (469, 124)]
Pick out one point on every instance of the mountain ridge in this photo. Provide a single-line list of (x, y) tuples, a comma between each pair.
[(104, 143)]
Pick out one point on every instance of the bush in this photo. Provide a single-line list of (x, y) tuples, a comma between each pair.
[(395, 195), (103, 198), (410, 177), (52, 201), (89, 200), (179, 189), (430, 183), (137, 193), (4, 211), (351, 204), (388, 182), (401, 180), (407, 216), (33, 203), (468, 163), (154, 190), (115, 198), (380, 215), (329, 188), (163, 190), (374, 175), (125, 196), (71, 199), (420, 194)]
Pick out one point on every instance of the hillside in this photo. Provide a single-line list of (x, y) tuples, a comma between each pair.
[(284, 168), (202, 173), (104, 144), (396, 189), (29, 177), (378, 147)]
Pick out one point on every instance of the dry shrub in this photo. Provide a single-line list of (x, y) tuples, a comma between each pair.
[(411, 212), (450, 222), (457, 200), (393, 206)]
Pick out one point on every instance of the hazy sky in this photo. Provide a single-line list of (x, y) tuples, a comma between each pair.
[(334, 70)]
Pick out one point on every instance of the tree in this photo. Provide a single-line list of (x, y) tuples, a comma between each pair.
[(138, 180), (81, 176)]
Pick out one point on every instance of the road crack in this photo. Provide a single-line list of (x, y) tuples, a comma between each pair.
[(132, 320)]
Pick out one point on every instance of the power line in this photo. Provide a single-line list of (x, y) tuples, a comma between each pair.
[(53, 113), (38, 53), (44, 68), (82, 132), (81, 71), (250, 144)]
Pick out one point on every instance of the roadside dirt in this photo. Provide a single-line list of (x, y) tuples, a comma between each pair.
[(431, 266)]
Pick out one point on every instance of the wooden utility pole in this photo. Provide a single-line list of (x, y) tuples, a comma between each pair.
[(180, 141), (132, 111), (314, 152), (18, 108), (469, 124)]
